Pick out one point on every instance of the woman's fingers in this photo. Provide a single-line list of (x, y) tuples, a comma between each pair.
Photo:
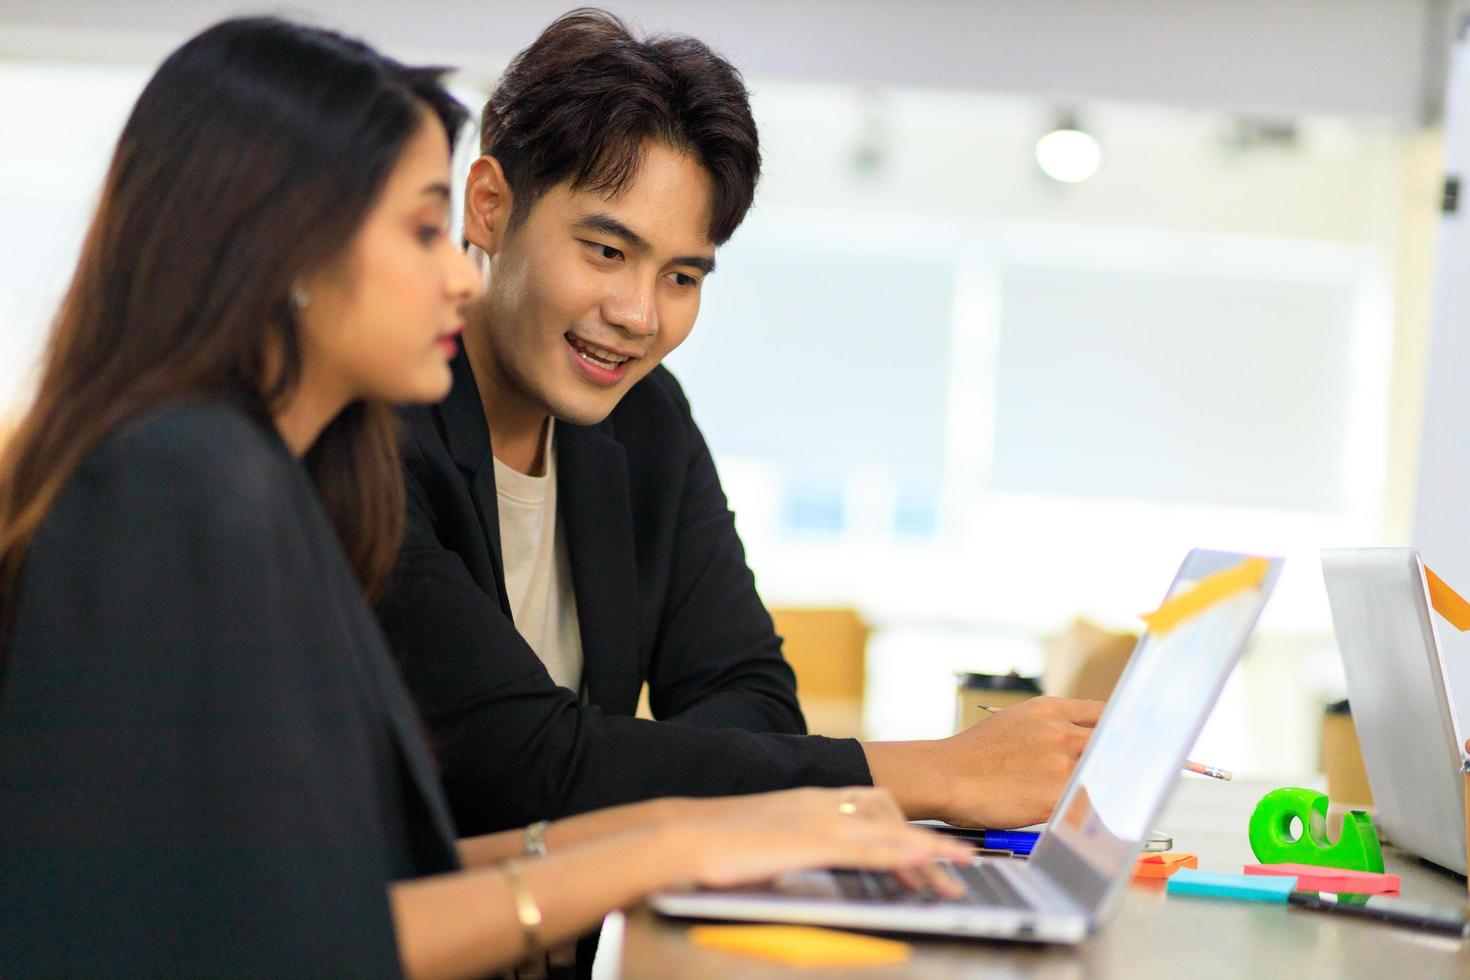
[(914, 856), (858, 827), (910, 878), (761, 848), (931, 877), (954, 849), (930, 845), (898, 845), (942, 881)]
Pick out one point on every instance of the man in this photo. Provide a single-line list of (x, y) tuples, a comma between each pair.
[(567, 536)]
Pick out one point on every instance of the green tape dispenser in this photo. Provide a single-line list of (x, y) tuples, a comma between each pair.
[(1357, 848)]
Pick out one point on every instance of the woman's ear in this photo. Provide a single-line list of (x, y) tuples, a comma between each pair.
[(487, 205)]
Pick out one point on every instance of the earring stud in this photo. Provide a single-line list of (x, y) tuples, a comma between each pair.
[(300, 298)]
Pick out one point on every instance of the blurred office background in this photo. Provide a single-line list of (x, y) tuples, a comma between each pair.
[(961, 398)]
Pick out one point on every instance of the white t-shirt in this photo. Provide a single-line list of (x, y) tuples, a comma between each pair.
[(538, 568)]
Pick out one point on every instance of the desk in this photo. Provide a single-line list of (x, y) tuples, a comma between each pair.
[(1152, 935)]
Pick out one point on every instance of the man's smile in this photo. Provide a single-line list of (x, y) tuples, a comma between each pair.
[(601, 356)]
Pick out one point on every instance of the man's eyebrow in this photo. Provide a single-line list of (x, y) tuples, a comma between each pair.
[(703, 263), (608, 225)]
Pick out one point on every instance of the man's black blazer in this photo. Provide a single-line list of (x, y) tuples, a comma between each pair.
[(663, 595)]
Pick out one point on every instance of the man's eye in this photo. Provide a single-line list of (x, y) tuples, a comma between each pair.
[(605, 251), (429, 234), (681, 279)]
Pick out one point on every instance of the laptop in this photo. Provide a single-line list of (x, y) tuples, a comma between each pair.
[(1086, 855), (1413, 748)]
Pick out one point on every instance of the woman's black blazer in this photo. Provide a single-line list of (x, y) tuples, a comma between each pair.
[(208, 764)]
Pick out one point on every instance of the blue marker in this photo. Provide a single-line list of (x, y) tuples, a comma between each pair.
[(1018, 842)]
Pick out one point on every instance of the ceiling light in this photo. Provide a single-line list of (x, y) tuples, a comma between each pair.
[(1067, 153)]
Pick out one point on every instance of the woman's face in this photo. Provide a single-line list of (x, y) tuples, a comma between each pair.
[(384, 323)]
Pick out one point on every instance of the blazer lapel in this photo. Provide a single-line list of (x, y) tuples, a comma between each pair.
[(370, 660), (412, 738), (596, 513), (468, 439)]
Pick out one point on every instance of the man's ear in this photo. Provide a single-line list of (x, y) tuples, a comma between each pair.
[(487, 205)]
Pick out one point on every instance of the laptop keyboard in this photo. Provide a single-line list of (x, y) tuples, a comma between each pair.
[(987, 886), (984, 885), (870, 886)]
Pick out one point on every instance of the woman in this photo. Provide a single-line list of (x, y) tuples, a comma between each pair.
[(207, 761)]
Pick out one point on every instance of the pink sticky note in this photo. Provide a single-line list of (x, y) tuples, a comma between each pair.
[(1313, 878)]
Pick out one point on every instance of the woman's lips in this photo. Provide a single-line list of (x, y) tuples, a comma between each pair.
[(448, 341)]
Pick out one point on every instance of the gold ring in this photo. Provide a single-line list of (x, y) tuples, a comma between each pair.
[(848, 806)]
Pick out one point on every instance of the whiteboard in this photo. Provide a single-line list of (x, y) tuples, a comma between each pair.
[(1442, 504)]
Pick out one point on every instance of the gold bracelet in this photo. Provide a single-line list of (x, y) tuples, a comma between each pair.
[(535, 845), (528, 913)]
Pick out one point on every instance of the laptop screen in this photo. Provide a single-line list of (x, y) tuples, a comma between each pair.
[(1394, 656), (1152, 719)]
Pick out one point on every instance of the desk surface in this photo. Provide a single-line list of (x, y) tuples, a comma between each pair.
[(1152, 935)]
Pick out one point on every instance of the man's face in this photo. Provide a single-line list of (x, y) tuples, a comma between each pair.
[(590, 292)]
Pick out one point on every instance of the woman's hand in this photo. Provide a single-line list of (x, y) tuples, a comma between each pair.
[(463, 923), (747, 839)]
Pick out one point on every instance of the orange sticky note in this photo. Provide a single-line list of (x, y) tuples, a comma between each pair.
[(1447, 602), (801, 945), (1205, 593), (1164, 865)]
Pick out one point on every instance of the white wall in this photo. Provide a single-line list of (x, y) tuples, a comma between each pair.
[(1377, 58), (956, 192), (1282, 257), (938, 184), (58, 123)]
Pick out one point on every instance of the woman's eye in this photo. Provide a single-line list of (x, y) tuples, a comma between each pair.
[(428, 234)]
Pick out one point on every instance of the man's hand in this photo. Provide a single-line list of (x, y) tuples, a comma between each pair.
[(1006, 771)]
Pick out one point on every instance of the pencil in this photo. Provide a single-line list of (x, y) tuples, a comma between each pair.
[(1214, 772)]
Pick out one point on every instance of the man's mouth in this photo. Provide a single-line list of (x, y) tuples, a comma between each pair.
[(608, 360)]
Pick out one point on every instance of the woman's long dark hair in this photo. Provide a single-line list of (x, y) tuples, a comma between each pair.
[(252, 157)]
